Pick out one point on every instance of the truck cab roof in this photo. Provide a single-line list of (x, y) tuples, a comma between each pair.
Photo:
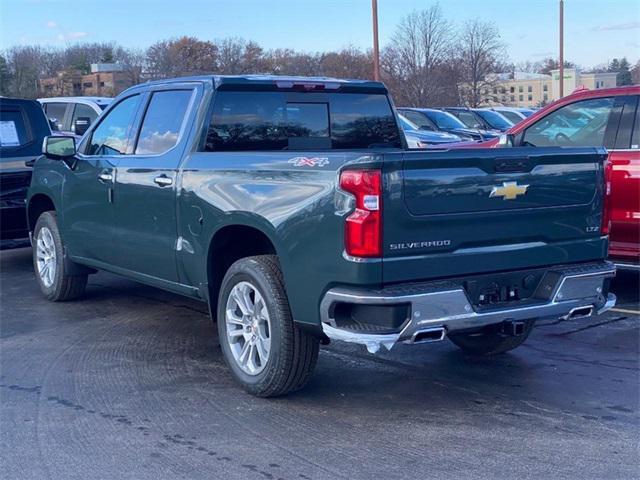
[(276, 82)]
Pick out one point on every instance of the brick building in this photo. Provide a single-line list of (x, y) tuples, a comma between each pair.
[(105, 80)]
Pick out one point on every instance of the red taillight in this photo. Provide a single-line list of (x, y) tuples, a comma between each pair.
[(363, 228), (605, 228)]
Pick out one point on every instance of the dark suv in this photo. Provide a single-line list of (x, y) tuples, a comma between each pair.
[(23, 126)]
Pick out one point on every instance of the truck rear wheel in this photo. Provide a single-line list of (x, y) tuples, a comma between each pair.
[(268, 354), (49, 264), (491, 341)]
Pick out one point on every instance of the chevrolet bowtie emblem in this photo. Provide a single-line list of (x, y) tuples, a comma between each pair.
[(509, 190)]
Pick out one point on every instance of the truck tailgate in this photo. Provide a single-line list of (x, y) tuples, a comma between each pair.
[(454, 212)]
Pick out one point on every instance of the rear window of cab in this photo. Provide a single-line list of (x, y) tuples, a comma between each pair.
[(264, 121)]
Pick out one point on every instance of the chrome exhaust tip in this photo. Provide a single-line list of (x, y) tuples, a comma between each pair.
[(579, 312), (429, 335)]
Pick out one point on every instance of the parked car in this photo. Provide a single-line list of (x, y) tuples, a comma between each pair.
[(73, 115), (592, 118), (293, 208), (419, 138), (23, 127), (477, 118), (437, 120), (513, 114)]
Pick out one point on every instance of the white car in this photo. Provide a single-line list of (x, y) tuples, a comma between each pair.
[(73, 115)]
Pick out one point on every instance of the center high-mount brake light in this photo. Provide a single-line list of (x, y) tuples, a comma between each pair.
[(307, 86), (363, 228), (605, 228)]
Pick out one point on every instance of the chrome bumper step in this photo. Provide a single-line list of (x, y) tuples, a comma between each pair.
[(439, 308)]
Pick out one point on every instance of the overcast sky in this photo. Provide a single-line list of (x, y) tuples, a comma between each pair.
[(595, 30)]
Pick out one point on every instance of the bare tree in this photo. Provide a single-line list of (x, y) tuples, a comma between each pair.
[(417, 52), (347, 63), (481, 55), (182, 56), (238, 56), (25, 63), (289, 62)]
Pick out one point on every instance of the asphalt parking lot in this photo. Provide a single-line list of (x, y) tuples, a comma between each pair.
[(130, 383)]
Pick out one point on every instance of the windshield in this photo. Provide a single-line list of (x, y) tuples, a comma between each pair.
[(444, 120), (406, 123), (495, 120), (526, 112), (512, 116)]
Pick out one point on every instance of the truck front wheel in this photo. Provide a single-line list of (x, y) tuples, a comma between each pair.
[(268, 354), (491, 341), (55, 281)]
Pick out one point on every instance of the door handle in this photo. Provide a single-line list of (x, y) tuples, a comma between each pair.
[(163, 181), (105, 177)]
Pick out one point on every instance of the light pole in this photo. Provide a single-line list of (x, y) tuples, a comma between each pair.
[(376, 49), (561, 48)]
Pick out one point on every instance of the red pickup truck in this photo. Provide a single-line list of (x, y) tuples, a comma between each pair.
[(604, 117)]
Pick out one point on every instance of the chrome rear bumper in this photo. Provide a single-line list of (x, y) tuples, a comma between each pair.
[(567, 292)]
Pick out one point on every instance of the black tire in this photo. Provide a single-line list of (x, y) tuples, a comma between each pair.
[(63, 286), (490, 341), (293, 352)]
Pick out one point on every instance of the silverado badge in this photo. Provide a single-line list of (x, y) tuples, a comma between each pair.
[(509, 190)]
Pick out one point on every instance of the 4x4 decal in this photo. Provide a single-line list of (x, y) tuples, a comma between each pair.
[(309, 161)]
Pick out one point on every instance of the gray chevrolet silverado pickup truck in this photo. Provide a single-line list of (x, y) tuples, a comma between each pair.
[(292, 207)]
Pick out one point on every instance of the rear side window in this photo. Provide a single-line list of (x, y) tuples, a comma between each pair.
[(162, 121), (55, 114), (83, 111), (13, 128), (635, 137), (243, 121), (625, 127), (579, 124), (111, 136)]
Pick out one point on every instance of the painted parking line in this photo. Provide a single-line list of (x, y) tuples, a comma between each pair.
[(624, 310)]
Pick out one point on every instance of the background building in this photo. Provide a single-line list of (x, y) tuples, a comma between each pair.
[(521, 89), (105, 80)]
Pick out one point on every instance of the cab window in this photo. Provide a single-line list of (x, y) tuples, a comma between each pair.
[(162, 121), (579, 124), (243, 121), (111, 136), (83, 111), (55, 114), (635, 137), (13, 128)]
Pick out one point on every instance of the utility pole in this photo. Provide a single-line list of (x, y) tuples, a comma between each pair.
[(376, 49), (561, 48)]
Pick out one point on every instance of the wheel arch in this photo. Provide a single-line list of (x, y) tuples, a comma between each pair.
[(38, 204), (228, 244)]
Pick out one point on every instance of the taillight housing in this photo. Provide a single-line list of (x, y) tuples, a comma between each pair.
[(605, 228), (363, 227)]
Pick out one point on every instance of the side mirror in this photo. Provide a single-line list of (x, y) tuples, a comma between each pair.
[(59, 148), (506, 140), (81, 125)]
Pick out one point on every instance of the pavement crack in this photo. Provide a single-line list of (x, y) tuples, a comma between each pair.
[(587, 327)]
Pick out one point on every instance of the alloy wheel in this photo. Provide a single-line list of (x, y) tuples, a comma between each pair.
[(248, 328), (46, 257)]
